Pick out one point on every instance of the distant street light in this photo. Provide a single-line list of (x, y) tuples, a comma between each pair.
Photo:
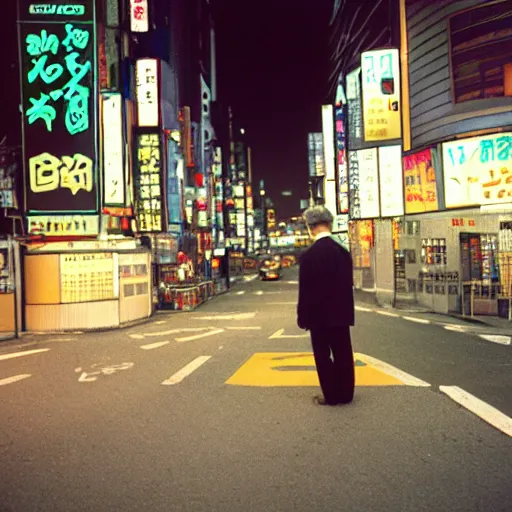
[(242, 131)]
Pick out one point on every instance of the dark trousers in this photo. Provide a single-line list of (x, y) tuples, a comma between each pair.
[(334, 360)]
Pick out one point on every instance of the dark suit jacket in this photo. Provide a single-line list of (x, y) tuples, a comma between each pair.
[(325, 286)]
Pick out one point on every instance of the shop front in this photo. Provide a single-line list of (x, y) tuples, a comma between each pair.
[(9, 282), (86, 285)]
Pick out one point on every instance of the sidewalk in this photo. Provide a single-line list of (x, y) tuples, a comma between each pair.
[(502, 325)]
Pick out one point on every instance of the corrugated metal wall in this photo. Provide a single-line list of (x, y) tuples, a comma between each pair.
[(433, 115)]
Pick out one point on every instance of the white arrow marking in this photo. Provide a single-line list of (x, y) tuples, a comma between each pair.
[(199, 336), (166, 333), (3, 357), (417, 320), (151, 346), (482, 409), (16, 378), (88, 377), (280, 334), (186, 371), (239, 316), (243, 328), (360, 308), (406, 378), (495, 338)]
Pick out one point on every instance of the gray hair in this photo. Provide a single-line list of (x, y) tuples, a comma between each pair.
[(317, 215)]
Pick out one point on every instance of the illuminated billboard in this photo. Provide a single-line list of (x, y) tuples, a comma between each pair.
[(148, 110)]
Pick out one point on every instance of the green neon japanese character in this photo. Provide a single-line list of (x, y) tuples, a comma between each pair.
[(37, 45), (48, 75), (76, 37), (40, 110), (77, 113)]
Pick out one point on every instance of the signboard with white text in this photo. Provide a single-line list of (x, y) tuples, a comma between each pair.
[(390, 181), (113, 145), (354, 110), (478, 171), (147, 93), (139, 15), (63, 225), (381, 94), (368, 183)]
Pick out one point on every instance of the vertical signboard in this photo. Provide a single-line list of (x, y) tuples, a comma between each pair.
[(368, 183), (139, 16), (354, 109), (311, 154), (390, 181), (59, 99), (148, 183), (148, 109), (113, 144), (341, 160), (353, 178), (478, 171), (420, 182), (381, 94)]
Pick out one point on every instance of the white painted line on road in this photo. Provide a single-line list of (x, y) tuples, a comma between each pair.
[(283, 303), (387, 313), (417, 320), (13, 355), (360, 308), (454, 327), (137, 336), (259, 292), (248, 279), (482, 409), (15, 378), (236, 316), (406, 378), (240, 292), (243, 328), (199, 336), (292, 282), (496, 338), (158, 344), (279, 334), (186, 371), (160, 322), (166, 333)]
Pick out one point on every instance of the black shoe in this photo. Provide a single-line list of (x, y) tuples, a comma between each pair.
[(320, 400)]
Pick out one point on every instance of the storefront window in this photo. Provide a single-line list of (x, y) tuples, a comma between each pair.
[(433, 251)]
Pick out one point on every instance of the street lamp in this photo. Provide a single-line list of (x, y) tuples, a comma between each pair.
[(242, 131)]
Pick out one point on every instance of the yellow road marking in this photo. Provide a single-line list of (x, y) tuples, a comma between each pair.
[(269, 369)]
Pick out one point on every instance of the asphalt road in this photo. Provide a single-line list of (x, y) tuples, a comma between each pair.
[(212, 411)]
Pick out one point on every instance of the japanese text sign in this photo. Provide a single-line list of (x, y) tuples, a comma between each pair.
[(381, 95), (342, 169), (478, 171), (368, 183), (149, 183), (113, 144), (390, 181), (139, 16), (59, 105), (147, 92), (355, 118), (420, 183)]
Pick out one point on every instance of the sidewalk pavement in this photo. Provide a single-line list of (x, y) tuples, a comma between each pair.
[(503, 325)]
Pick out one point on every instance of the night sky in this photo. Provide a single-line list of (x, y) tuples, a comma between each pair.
[(273, 68)]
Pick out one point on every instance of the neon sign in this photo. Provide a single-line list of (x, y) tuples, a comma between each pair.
[(57, 44)]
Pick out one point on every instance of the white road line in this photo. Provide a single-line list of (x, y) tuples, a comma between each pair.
[(292, 282), (240, 292), (186, 371), (243, 328), (259, 292), (160, 322), (360, 308), (283, 303), (199, 336), (482, 409), (234, 316), (280, 334), (166, 333), (387, 313), (15, 378), (417, 320), (13, 355), (151, 346), (496, 338), (406, 378), (250, 278), (454, 327)]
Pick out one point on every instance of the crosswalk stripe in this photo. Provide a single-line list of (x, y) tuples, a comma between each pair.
[(15, 378)]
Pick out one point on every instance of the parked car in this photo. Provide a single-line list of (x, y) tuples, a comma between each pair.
[(269, 268)]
